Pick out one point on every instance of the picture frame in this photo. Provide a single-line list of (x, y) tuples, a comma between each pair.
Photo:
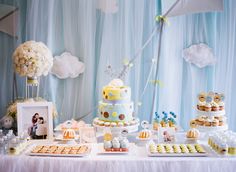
[(87, 135), (35, 119), (166, 135)]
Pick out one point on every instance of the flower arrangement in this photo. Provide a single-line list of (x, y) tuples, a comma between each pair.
[(32, 59)]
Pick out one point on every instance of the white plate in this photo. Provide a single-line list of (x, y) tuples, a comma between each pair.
[(211, 128), (211, 113), (102, 151), (60, 138), (143, 139), (59, 155)]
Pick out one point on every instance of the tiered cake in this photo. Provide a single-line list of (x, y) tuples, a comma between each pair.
[(210, 113), (116, 108)]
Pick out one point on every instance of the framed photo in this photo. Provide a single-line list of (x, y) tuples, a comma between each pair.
[(166, 134), (35, 119), (87, 135)]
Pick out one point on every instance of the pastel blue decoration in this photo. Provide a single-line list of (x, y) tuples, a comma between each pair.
[(209, 99), (222, 97)]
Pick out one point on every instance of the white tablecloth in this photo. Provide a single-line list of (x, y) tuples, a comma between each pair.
[(136, 160)]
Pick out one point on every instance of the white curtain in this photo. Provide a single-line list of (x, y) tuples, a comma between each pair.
[(100, 39)]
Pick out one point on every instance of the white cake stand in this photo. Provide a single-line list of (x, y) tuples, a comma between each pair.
[(117, 130)]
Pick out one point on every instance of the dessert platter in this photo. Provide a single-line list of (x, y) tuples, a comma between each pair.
[(60, 150), (116, 110), (223, 143), (114, 145), (173, 150), (210, 113)]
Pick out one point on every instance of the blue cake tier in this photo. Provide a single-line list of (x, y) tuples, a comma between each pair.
[(116, 112)]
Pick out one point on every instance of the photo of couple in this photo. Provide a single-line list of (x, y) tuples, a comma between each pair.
[(38, 129)]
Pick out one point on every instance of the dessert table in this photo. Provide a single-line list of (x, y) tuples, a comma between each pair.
[(135, 160)]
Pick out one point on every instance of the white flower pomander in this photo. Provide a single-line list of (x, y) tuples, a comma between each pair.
[(32, 59), (116, 83)]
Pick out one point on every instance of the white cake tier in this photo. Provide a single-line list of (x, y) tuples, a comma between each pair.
[(211, 113), (212, 128)]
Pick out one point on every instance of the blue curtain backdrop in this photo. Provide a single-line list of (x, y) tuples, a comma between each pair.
[(100, 39)]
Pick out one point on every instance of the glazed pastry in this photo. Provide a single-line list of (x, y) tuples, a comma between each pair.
[(144, 134), (193, 133), (68, 134)]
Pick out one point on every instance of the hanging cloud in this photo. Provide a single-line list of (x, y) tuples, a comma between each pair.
[(107, 6), (67, 66), (200, 54)]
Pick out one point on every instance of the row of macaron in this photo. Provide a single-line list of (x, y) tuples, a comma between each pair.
[(176, 148)]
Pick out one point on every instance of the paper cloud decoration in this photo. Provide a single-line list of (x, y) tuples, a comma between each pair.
[(67, 66), (200, 54), (107, 6)]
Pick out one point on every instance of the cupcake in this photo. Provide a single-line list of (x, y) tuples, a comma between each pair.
[(200, 121), (124, 143), (215, 122), (208, 107), (221, 122), (208, 123), (221, 105), (201, 106), (193, 123), (201, 102), (116, 144), (214, 106), (107, 145)]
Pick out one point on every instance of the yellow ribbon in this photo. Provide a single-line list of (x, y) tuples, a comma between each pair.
[(164, 19), (157, 82)]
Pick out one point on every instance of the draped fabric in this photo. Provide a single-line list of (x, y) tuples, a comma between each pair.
[(101, 39)]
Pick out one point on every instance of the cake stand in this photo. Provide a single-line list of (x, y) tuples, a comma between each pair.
[(117, 130)]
